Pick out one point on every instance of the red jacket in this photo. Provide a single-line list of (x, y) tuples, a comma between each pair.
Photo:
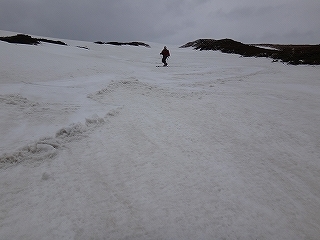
[(165, 52)]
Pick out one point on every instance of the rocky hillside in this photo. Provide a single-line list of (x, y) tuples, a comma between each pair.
[(291, 54), (26, 39), (124, 43)]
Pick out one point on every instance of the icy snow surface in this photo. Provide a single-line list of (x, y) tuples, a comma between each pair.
[(102, 144)]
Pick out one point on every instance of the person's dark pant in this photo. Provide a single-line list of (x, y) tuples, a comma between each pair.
[(164, 60)]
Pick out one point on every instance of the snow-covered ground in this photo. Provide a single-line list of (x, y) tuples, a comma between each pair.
[(102, 144)]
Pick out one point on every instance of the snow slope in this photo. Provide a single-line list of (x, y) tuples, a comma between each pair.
[(101, 144)]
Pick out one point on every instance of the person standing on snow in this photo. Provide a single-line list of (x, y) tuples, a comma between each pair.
[(165, 54)]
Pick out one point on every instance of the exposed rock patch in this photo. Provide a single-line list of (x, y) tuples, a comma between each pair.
[(26, 39), (124, 43), (291, 54)]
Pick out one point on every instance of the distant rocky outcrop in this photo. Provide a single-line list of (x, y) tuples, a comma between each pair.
[(296, 54), (26, 39), (228, 46), (291, 54), (124, 43)]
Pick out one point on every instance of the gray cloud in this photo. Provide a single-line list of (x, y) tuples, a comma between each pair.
[(166, 21)]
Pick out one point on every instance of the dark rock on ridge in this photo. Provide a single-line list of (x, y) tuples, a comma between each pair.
[(26, 39), (291, 54), (124, 43), (228, 46), (20, 38)]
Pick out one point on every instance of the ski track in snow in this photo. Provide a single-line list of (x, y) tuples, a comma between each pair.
[(228, 151)]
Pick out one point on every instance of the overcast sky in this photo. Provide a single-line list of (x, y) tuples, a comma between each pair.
[(166, 21)]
